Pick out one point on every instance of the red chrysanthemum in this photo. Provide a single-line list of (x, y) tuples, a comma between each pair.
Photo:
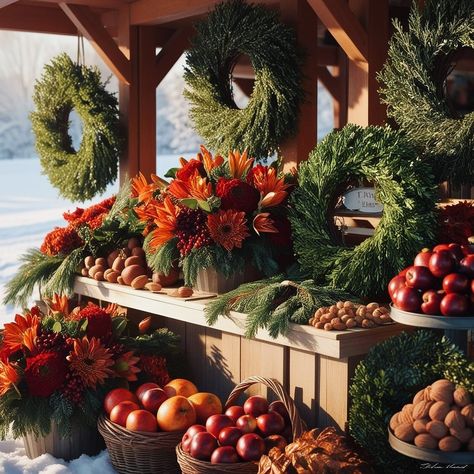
[(456, 223), (45, 373), (238, 195), (154, 368), (185, 173), (99, 321), (93, 216), (61, 240)]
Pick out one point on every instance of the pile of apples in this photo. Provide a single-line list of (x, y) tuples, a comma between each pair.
[(440, 282), (175, 407), (241, 434)]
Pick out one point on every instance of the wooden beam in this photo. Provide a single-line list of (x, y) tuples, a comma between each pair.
[(5, 3), (170, 53), (344, 26), (91, 27), (340, 105), (19, 17), (328, 55), (91, 3), (330, 82)]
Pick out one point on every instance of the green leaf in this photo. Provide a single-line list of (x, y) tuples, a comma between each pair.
[(118, 325), (84, 325), (204, 205), (191, 203), (57, 326), (171, 173)]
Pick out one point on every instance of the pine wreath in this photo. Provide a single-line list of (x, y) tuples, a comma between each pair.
[(233, 29), (414, 76), (405, 187), (63, 87)]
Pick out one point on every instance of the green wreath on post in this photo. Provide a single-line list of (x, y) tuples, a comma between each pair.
[(404, 185), (63, 87), (233, 29), (419, 60)]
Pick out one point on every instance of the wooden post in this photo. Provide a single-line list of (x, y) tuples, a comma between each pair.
[(300, 15)]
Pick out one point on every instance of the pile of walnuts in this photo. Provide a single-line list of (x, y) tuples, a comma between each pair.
[(348, 315), (441, 417)]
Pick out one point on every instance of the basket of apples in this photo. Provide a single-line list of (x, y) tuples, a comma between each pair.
[(233, 442), (141, 429)]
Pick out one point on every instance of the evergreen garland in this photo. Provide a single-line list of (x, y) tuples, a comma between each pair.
[(388, 378), (414, 84), (236, 28), (63, 87), (405, 187)]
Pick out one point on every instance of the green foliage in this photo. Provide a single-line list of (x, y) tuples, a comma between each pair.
[(388, 378), (63, 87), (404, 185), (413, 78), (274, 303), (232, 29), (163, 259), (160, 342)]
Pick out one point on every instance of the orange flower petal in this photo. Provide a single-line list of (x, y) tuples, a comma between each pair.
[(272, 199), (263, 223)]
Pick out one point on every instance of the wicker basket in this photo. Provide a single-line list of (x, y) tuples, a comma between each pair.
[(190, 465), (133, 452)]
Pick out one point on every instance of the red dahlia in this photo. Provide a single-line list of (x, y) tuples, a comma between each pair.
[(45, 373), (99, 321), (154, 368), (238, 195), (61, 240), (188, 170)]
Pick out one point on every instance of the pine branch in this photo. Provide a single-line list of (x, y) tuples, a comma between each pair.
[(163, 259)]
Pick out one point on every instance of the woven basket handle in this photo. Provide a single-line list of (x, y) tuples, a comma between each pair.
[(273, 384)]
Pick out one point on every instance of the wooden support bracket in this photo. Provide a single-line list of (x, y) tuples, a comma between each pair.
[(91, 27), (330, 82), (344, 26)]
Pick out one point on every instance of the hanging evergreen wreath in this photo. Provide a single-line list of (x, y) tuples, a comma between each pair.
[(233, 29), (405, 187), (419, 60), (63, 87)]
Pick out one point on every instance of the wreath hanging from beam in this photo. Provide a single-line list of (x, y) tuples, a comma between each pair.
[(233, 29), (66, 86), (414, 84), (404, 185)]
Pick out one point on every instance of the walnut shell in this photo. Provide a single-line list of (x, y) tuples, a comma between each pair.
[(461, 397), (134, 260), (119, 264), (150, 286), (437, 429), (120, 280), (420, 425), (185, 291), (421, 409), (425, 440), (463, 435), (351, 323), (468, 413), (112, 276), (133, 242), (112, 256), (449, 443), (438, 411), (339, 304), (319, 325), (138, 252), (405, 416), (84, 272), (101, 261), (405, 432), (327, 327), (99, 276), (419, 396), (455, 420), (95, 269), (131, 272), (139, 282), (442, 391), (394, 421), (427, 393), (89, 261), (339, 326)]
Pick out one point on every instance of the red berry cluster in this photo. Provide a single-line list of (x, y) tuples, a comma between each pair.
[(48, 341), (73, 388), (192, 230)]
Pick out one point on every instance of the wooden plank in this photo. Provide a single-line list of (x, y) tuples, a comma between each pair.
[(5, 3), (90, 3), (196, 354), (344, 27), (90, 25)]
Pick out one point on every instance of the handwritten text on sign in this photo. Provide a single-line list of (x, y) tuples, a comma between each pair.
[(362, 199)]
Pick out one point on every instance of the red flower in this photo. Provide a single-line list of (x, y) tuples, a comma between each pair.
[(92, 216), (99, 321), (45, 373), (61, 240), (238, 195), (154, 368), (456, 223), (185, 173)]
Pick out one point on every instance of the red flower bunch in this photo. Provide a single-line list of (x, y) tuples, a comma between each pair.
[(45, 373), (188, 170), (456, 223), (154, 368), (99, 322), (237, 194), (93, 216), (61, 240)]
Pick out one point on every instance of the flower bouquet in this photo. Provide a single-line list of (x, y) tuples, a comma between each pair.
[(216, 213), (56, 367)]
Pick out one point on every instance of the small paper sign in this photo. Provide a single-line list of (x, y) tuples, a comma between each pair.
[(362, 199)]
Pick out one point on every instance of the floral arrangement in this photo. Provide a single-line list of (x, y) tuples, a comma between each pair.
[(457, 223), (57, 366), (218, 213)]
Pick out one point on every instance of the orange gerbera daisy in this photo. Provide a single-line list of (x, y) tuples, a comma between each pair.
[(126, 366), (209, 162), (8, 377), (91, 361), (263, 223), (21, 333), (199, 187), (166, 213), (228, 228), (239, 164)]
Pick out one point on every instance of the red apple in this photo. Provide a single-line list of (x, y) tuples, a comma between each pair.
[(423, 258), (247, 423), (224, 454), (202, 446), (439, 247), (466, 265), (229, 436), (256, 406), (456, 252), (467, 249), (117, 395), (270, 423), (279, 407), (234, 412), (408, 299), (431, 302), (441, 263), (395, 283), (188, 436), (143, 388), (420, 278), (275, 441), (141, 420), (153, 398), (454, 304), (250, 447), (120, 412), (216, 423), (403, 272), (455, 283)]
